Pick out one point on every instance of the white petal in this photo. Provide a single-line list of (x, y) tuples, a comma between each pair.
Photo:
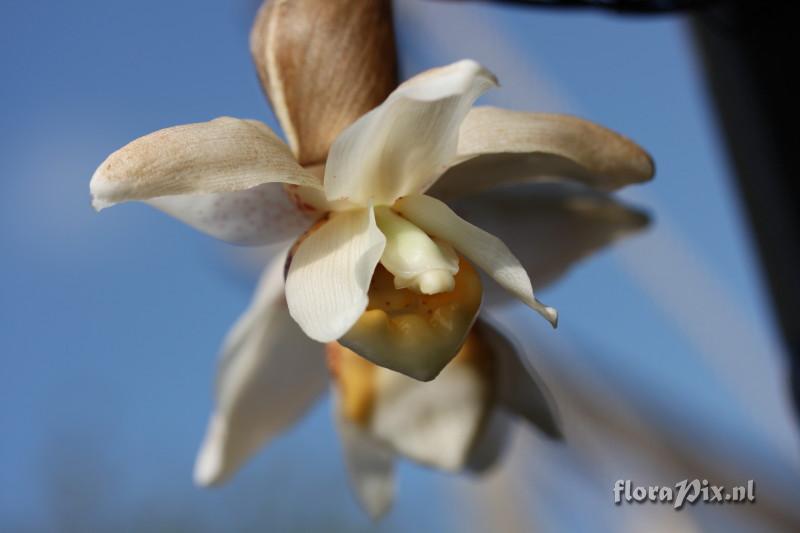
[(270, 374), (223, 155), (329, 276), (483, 249), (497, 146), (404, 144), (370, 465), (261, 215), (550, 227), (435, 422)]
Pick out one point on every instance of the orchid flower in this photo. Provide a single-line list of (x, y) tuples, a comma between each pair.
[(373, 259), (225, 177), (373, 203)]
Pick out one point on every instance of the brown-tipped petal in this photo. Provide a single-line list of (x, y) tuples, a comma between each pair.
[(497, 146), (223, 155), (323, 64), (415, 334), (550, 227)]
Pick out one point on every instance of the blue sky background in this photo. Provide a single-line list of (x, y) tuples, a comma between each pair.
[(110, 323)]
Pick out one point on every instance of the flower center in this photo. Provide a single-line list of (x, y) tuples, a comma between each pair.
[(417, 262)]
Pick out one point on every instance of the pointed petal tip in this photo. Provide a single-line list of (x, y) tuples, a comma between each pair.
[(480, 69), (549, 313), (98, 202), (377, 502), (98, 205), (645, 165), (553, 432), (638, 219), (552, 315), (208, 467), (377, 511), (638, 166), (370, 465), (99, 189)]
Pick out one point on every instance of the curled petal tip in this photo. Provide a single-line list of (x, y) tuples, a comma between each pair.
[(489, 74), (475, 65), (552, 316), (99, 205), (549, 313), (482, 71), (97, 186)]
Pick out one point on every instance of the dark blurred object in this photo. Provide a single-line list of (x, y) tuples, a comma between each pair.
[(620, 6), (748, 52)]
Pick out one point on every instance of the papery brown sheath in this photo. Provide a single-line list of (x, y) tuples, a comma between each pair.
[(323, 64)]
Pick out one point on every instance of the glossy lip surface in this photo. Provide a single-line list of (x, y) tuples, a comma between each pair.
[(416, 334)]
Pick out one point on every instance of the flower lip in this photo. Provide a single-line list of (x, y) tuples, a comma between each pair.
[(415, 334)]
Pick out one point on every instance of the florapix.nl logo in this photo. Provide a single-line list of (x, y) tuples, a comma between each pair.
[(683, 492)]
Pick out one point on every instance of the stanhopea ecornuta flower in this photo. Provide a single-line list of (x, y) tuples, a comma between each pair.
[(372, 256), (227, 177)]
